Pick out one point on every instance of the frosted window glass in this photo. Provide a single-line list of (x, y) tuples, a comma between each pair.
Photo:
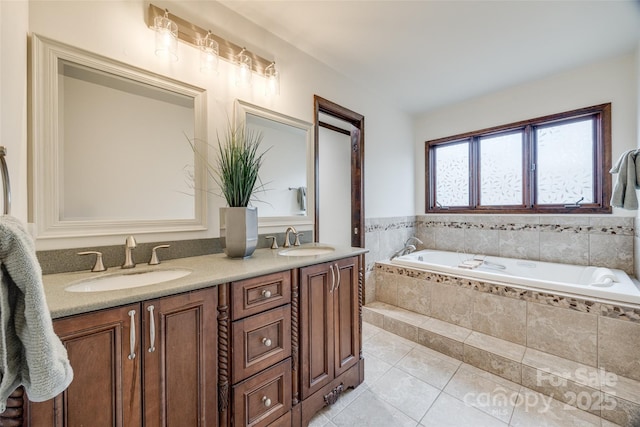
[(565, 162), (501, 170), (452, 174)]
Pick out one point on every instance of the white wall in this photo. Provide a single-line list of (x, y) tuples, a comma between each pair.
[(614, 80), (13, 98), (117, 29)]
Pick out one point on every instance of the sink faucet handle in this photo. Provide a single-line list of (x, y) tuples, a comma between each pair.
[(297, 242), (98, 266), (154, 254), (274, 244)]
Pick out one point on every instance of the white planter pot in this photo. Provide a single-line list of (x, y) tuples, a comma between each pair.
[(239, 228)]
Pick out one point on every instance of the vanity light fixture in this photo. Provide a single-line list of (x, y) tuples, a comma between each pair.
[(208, 54), (166, 36), (272, 87), (246, 62), (243, 72)]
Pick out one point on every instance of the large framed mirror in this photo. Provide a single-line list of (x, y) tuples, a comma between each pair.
[(110, 144), (288, 169)]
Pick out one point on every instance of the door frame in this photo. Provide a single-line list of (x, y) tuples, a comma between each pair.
[(322, 105)]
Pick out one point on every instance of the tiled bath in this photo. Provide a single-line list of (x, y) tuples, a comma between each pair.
[(605, 241)]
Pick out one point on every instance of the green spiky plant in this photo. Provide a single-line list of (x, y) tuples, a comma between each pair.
[(238, 163)]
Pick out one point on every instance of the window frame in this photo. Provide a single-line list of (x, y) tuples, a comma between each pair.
[(601, 176)]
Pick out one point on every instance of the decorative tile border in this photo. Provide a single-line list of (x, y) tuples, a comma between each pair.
[(631, 314), (554, 228)]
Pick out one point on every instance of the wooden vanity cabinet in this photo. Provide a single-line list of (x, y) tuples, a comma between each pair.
[(261, 379), (113, 352), (329, 333), (105, 390), (265, 351)]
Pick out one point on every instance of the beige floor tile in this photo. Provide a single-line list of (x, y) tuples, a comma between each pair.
[(537, 410), (403, 381), (405, 392), (427, 367), (484, 391), (368, 410), (388, 347), (368, 331), (345, 400), (374, 368), (447, 411)]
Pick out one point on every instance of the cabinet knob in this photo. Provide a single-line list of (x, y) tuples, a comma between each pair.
[(266, 401), (266, 293), (266, 342)]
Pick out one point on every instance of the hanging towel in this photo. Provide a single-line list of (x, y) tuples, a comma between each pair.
[(31, 354), (302, 198), (624, 192)]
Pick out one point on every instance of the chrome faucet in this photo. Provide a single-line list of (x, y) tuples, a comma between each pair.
[(407, 248), (129, 245), (287, 239)]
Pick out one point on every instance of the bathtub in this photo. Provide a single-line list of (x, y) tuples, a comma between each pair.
[(598, 283)]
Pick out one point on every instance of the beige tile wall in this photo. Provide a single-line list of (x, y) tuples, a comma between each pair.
[(592, 334)]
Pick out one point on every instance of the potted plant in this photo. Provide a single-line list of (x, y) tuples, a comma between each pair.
[(236, 172)]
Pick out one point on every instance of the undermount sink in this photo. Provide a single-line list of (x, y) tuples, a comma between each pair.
[(127, 280), (306, 251)]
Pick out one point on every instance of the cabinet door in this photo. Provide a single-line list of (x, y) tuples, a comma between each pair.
[(316, 327), (180, 357), (106, 383), (346, 315)]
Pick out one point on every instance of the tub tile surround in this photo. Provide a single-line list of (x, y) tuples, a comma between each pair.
[(512, 367), (605, 241)]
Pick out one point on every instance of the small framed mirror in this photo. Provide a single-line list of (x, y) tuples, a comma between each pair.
[(288, 170), (110, 148)]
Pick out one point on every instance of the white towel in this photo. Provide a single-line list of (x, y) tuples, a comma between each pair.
[(628, 170), (31, 354)]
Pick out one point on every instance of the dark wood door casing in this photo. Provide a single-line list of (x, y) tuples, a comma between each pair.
[(356, 120)]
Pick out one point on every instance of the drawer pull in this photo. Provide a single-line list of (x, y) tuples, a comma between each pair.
[(333, 279), (132, 335), (266, 342), (266, 293), (152, 330), (266, 401)]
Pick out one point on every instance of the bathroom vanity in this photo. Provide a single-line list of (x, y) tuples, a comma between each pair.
[(266, 341)]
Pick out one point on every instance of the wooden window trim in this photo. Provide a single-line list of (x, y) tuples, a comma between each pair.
[(601, 175)]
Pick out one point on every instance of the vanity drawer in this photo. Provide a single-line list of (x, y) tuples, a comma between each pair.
[(260, 341), (254, 295), (264, 398)]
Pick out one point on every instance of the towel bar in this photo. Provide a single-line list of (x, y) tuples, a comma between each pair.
[(6, 186)]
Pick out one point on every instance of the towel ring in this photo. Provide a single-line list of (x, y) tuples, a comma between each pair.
[(5, 180)]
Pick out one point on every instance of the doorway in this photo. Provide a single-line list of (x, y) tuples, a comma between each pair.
[(339, 176)]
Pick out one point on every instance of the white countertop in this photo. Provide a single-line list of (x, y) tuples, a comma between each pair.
[(208, 270)]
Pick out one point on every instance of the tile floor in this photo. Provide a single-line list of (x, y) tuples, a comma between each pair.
[(407, 384)]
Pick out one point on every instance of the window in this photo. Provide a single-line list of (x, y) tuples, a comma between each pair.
[(552, 164)]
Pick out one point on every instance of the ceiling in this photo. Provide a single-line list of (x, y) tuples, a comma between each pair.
[(423, 54)]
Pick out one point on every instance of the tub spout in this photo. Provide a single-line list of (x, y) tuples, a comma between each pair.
[(406, 249)]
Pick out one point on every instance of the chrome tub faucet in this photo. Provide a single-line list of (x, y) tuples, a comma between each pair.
[(407, 248)]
